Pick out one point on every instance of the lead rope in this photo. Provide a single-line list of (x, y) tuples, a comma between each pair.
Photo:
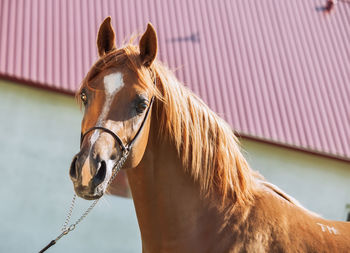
[(65, 228)]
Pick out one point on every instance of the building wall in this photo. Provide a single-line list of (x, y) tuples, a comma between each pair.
[(320, 184), (39, 136)]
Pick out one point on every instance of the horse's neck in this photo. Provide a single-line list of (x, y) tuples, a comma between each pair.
[(173, 217), (170, 211)]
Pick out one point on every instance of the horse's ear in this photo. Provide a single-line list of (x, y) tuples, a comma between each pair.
[(148, 46), (105, 37)]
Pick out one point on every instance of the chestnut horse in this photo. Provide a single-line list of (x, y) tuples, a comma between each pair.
[(192, 188)]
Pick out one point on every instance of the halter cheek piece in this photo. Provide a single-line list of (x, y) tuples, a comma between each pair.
[(127, 147)]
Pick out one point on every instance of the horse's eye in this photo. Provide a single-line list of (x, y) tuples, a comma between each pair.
[(142, 106), (83, 97)]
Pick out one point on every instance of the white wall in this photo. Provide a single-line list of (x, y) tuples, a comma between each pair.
[(318, 183), (39, 134)]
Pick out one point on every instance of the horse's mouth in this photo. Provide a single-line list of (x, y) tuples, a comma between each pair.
[(90, 197), (89, 194)]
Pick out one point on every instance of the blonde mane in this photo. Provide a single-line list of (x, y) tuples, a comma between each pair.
[(205, 142)]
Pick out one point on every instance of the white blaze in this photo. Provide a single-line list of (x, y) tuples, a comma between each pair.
[(112, 83)]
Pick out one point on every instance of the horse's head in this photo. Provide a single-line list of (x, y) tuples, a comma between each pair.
[(117, 96)]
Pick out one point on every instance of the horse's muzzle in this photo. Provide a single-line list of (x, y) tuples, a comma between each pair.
[(88, 175)]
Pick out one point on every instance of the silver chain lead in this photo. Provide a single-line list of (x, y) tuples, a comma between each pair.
[(69, 214)]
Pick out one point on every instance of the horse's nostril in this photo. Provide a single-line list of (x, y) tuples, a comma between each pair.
[(101, 173), (73, 169)]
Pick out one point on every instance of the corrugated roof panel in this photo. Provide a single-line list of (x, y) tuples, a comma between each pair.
[(275, 70)]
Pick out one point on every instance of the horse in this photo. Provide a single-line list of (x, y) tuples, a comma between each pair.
[(192, 188)]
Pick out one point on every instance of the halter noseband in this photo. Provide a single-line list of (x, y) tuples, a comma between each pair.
[(126, 147)]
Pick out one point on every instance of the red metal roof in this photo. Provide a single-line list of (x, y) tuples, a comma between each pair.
[(275, 70)]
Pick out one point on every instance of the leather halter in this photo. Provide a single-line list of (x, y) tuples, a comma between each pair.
[(123, 147)]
